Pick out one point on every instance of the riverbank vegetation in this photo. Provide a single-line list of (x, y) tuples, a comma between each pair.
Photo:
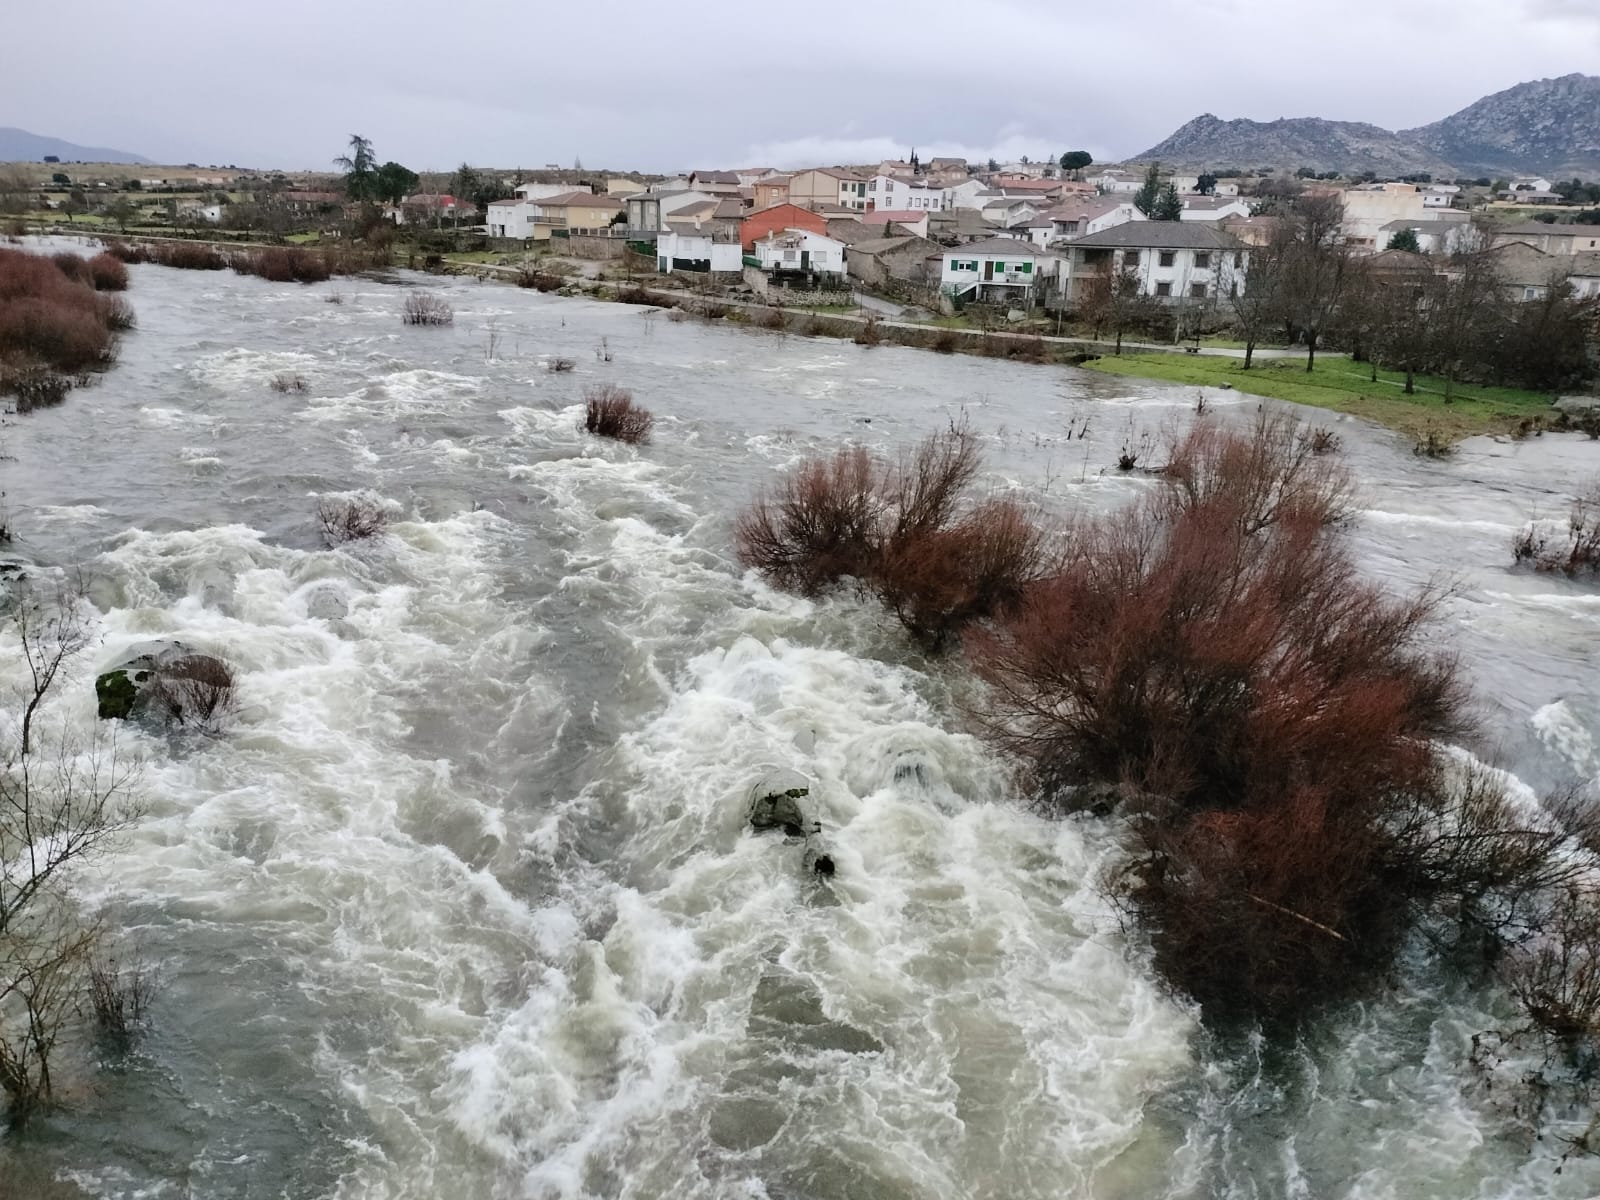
[(609, 412), (1339, 384), (59, 323), (1269, 729), (62, 805), (911, 533), (1574, 550)]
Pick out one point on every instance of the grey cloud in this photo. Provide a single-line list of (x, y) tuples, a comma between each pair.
[(625, 84)]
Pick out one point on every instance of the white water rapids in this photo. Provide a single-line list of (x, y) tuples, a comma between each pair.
[(465, 905)]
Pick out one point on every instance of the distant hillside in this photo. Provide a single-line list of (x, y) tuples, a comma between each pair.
[(1347, 146), (1548, 126), (18, 145)]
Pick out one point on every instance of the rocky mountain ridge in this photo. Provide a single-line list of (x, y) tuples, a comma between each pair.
[(1548, 127)]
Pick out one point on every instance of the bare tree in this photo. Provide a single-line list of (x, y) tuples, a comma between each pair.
[(1315, 269), (1467, 303), (1115, 299), (60, 804), (1255, 289)]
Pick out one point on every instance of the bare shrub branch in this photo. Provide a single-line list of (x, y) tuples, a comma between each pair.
[(342, 519), (424, 308), (609, 411)]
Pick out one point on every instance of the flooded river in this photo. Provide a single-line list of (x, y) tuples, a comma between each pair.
[(464, 904)]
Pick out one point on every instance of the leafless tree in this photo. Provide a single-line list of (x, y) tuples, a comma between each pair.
[(62, 801), (1468, 302), (1316, 269)]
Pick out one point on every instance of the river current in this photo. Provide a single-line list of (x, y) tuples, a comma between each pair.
[(464, 903)]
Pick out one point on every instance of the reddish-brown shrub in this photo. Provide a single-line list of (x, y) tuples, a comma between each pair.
[(107, 273), (899, 532), (818, 526), (283, 264), (50, 323), (609, 411), (128, 252), (114, 312), (939, 581), (1274, 472), (188, 256), (870, 334), (1266, 718), (74, 266), (67, 336)]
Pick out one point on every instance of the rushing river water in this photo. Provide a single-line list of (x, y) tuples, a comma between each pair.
[(464, 904)]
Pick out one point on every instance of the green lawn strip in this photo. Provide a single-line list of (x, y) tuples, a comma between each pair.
[(1343, 386)]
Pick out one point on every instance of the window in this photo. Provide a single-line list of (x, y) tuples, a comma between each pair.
[(1130, 258), (998, 265), (1163, 288), (1202, 261), (1166, 258), (1238, 258), (1026, 268), (791, 255), (1197, 291)]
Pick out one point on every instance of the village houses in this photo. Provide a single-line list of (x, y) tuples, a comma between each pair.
[(1174, 260)]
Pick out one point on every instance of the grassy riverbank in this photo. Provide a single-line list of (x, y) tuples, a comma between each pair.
[(1345, 386)]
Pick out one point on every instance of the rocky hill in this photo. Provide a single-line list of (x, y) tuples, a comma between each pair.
[(1545, 126), (1548, 126), (1347, 146), (18, 145)]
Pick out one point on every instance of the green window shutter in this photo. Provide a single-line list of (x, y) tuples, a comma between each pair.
[(1027, 268)]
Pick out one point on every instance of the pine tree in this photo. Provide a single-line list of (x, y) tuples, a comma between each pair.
[(1150, 191), (1168, 206)]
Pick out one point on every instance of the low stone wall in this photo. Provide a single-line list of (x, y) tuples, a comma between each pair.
[(596, 246)]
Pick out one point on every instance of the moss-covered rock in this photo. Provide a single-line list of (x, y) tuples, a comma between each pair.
[(117, 694)]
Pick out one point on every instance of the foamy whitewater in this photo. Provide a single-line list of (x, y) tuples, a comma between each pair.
[(465, 903)]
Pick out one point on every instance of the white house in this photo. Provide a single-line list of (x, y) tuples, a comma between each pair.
[(1440, 195), (1075, 218), (1530, 183), (512, 218), (902, 195), (1213, 208), (800, 250), (995, 269), (1175, 260), (1009, 212), (965, 194), (1113, 182), (538, 191), (683, 250), (1226, 187)]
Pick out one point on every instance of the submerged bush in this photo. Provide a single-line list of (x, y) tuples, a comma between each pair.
[(53, 322), (107, 273), (1209, 662), (128, 252), (424, 308), (1578, 553), (609, 411), (188, 256), (907, 533), (342, 519), (282, 264)]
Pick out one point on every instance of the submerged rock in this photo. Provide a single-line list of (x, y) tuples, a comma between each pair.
[(817, 860), (775, 800), (166, 681)]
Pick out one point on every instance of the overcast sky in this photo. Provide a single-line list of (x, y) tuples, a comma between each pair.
[(627, 84)]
